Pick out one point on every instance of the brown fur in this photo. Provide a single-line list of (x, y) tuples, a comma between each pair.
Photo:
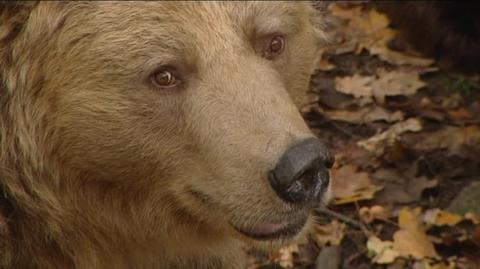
[(98, 169)]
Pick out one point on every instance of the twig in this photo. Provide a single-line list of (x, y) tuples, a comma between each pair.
[(341, 217)]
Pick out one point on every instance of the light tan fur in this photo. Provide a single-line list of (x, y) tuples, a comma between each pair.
[(98, 169)]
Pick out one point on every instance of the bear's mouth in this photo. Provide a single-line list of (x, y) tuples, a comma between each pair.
[(283, 229)]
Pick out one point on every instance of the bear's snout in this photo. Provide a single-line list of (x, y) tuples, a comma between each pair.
[(301, 175)]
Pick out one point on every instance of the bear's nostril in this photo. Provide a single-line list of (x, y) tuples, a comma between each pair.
[(329, 161), (301, 175), (309, 178)]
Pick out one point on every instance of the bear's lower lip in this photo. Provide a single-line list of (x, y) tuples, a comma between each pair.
[(274, 230)]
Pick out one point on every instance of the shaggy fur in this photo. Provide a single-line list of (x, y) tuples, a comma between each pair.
[(447, 30), (101, 169)]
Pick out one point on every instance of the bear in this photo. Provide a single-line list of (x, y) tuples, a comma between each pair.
[(156, 134)]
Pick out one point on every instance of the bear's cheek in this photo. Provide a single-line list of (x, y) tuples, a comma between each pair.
[(116, 135)]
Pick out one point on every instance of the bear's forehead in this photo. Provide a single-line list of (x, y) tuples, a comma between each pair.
[(172, 20), (138, 32)]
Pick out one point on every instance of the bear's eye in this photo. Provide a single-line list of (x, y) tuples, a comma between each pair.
[(164, 78), (274, 47)]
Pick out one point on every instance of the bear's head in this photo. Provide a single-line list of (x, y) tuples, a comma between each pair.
[(162, 122)]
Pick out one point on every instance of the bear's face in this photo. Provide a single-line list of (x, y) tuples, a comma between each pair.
[(183, 108)]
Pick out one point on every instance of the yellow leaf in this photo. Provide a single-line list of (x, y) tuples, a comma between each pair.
[(411, 239), (439, 217), (382, 250)]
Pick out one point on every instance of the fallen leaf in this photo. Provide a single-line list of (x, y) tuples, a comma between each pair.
[(345, 13), (452, 101), (286, 255), (428, 264), (325, 65), (369, 31), (376, 21), (474, 218), (397, 58), (350, 185), (356, 85), (369, 214), (439, 217), (451, 138), (460, 114), (365, 115), (396, 83), (329, 234), (400, 188), (343, 48), (380, 114), (378, 143), (382, 251), (476, 236), (416, 186), (411, 239), (311, 98)]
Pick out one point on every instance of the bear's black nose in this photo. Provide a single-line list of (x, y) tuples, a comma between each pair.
[(301, 175)]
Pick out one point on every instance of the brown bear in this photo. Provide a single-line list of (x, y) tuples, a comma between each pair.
[(155, 134)]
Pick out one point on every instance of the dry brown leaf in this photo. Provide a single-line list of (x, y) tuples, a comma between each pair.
[(397, 58), (452, 101), (350, 185), (345, 13), (311, 98), (400, 188), (369, 214), (439, 217), (396, 83), (325, 65), (356, 85), (378, 143), (392, 83), (376, 21), (331, 233), (365, 115), (417, 185), (460, 114), (428, 264), (473, 218), (343, 48), (286, 255), (369, 31), (378, 114), (411, 239), (376, 36), (451, 138), (382, 250)]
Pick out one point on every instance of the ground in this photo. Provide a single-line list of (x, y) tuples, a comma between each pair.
[(406, 135)]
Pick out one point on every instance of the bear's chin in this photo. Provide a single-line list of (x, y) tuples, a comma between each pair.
[(290, 232)]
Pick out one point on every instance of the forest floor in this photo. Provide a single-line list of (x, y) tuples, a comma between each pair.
[(406, 136)]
